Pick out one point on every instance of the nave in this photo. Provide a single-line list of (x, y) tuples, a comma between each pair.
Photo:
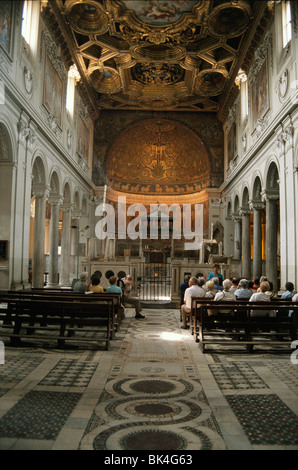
[(153, 390)]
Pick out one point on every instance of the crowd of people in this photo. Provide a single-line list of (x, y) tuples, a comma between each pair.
[(219, 289), (122, 286)]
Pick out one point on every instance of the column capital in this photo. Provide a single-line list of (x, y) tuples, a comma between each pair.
[(270, 195), (66, 207), (236, 217), (256, 205), (243, 212), (54, 200)]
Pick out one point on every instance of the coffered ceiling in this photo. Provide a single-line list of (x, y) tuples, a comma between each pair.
[(160, 55)]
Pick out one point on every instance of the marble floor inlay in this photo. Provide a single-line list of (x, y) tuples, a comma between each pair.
[(153, 390)]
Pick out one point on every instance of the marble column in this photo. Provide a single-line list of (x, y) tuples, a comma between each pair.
[(65, 246), (246, 246), (54, 240), (271, 238), (257, 238), (39, 238), (237, 236)]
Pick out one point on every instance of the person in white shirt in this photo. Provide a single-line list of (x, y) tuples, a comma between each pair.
[(261, 296), (195, 289), (224, 296)]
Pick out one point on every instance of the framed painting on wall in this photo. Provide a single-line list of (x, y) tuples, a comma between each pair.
[(53, 91), (232, 143), (260, 94), (83, 139), (6, 24)]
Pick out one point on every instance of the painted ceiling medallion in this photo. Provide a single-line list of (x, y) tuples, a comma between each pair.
[(159, 13), (153, 74)]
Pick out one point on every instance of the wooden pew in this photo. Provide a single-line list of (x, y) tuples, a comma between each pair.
[(113, 298), (29, 317), (242, 327)]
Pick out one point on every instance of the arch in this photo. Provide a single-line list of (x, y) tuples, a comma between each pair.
[(272, 178), (245, 198), (66, 193), (54, 184), (39, 173), (85, 206), (257, 189), (6, 154), (76, 201), (229, 210), (236, 204)]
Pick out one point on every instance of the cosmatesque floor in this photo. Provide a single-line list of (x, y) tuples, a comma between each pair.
[(152, 390)]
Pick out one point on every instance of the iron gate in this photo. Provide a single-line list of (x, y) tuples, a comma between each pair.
[(154, 281)]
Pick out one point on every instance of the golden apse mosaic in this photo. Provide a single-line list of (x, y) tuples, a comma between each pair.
[(158, 156)]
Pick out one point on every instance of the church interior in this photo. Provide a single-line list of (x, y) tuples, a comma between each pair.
[(150, 139)]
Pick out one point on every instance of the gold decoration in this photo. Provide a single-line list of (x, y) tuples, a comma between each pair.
[(158, 156)]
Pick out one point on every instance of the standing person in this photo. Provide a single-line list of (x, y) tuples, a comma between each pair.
[(216, 273), (129, 299), (81, 286), (194, 290)]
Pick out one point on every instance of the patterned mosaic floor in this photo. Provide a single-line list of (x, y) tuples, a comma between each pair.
[(153, 391)]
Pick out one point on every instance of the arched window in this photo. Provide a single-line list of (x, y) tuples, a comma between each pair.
[(30, 24), (286, 22), (73, 77)]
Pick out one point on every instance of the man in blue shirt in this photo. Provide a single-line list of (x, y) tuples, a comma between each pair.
[(216, 273), (243, 292)]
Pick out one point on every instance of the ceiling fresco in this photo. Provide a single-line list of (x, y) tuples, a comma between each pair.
[(159, 55)]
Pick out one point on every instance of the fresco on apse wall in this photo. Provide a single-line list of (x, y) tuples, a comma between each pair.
[(157, 12), (205, 132)]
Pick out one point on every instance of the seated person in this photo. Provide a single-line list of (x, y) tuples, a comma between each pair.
[(262, 297), (113, 288), (216, 273), (294, 299), (243, 292), (194, 290), (216, 283), (224, 296), (129, 299), (235, 283), (80, 286), (271, 295), (256, 284), (94, 286), (211, 292), (289, 294), (183, 287)]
